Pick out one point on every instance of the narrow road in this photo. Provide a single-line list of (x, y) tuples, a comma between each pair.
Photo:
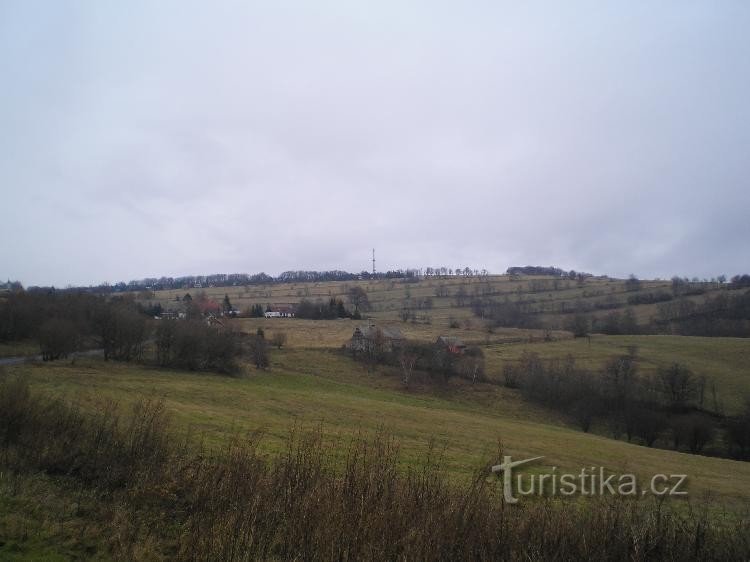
[(29, 358)]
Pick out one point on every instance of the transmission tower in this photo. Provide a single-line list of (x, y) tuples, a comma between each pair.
[(373, 261)]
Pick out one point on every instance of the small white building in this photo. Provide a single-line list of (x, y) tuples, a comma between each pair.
[(280, 311)]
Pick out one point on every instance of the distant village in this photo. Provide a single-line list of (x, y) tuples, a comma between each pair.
[(209, 308), (365, 338)]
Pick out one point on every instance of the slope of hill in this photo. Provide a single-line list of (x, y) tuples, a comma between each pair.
[(312, 387)]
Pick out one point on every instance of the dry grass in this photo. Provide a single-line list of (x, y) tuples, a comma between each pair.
[(323, 387), (333, 334), (388, 296), (13, 349), (316, 499)]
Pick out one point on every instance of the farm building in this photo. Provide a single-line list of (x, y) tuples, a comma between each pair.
[(452, 344), (213, 321), (170, 315), (280, 311), (209, 306), (365, 337)]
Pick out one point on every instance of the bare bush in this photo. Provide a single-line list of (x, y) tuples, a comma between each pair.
[(278, 339), (58, 338)]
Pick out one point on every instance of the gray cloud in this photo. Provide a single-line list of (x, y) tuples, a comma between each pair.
[(178, 138)]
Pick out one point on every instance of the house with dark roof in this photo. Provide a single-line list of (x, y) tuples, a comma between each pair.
[(366, 337), (452, 344)]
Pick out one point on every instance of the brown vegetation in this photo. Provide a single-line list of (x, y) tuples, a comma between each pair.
[(306, 503)]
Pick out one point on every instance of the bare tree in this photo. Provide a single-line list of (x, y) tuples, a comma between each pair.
[(471, 365), (461, 296), (358, 299), (511, 375), (278, 339), (57, 338), (678, 385), (649, 425), (442, 291), (121, 331), (407, 359), (165, 339), (259, 351), (632, 283), (700, 433), (738, 433)]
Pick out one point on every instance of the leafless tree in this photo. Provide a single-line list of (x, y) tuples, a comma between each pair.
[(471, 365), (358, 299), (407, 359), (461, 296), (678, 385), (258, 348), (278, 339), (442, 291), (57, 338)]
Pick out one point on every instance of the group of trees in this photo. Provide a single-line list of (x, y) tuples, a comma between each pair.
[(435, 360), (244, 279), (22, 313), (644, 297), (507, 313), (194, 345), (58, 337), (359, 299), (539, 270), (323, 310), (120, 330), (672, 408), (412, 309), (617, 323), (334, 307), (722, 315), (256, 311), (66, 322)]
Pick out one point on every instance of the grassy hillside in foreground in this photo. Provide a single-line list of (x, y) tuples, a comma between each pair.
[(312, 387), (159, 500)]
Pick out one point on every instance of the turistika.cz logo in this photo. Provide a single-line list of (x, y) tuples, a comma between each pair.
[(590, 481)]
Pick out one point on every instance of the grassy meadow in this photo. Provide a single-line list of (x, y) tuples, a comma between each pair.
[(724, 361), (312, 383), (311, 387)]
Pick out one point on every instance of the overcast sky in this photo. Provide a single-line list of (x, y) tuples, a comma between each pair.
[(172, 138)]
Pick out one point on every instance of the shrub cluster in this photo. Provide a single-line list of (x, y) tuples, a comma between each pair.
[(673, 408), (322, 310), (64, 322), (436, 360), (194, 345)]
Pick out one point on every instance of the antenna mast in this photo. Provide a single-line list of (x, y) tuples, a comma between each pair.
[(373, 261)]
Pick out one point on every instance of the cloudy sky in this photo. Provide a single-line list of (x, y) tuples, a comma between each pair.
[(170, 138)]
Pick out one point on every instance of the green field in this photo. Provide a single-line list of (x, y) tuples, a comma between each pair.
[(311, 387), (310, 382), (724, 361), (313, 384)]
